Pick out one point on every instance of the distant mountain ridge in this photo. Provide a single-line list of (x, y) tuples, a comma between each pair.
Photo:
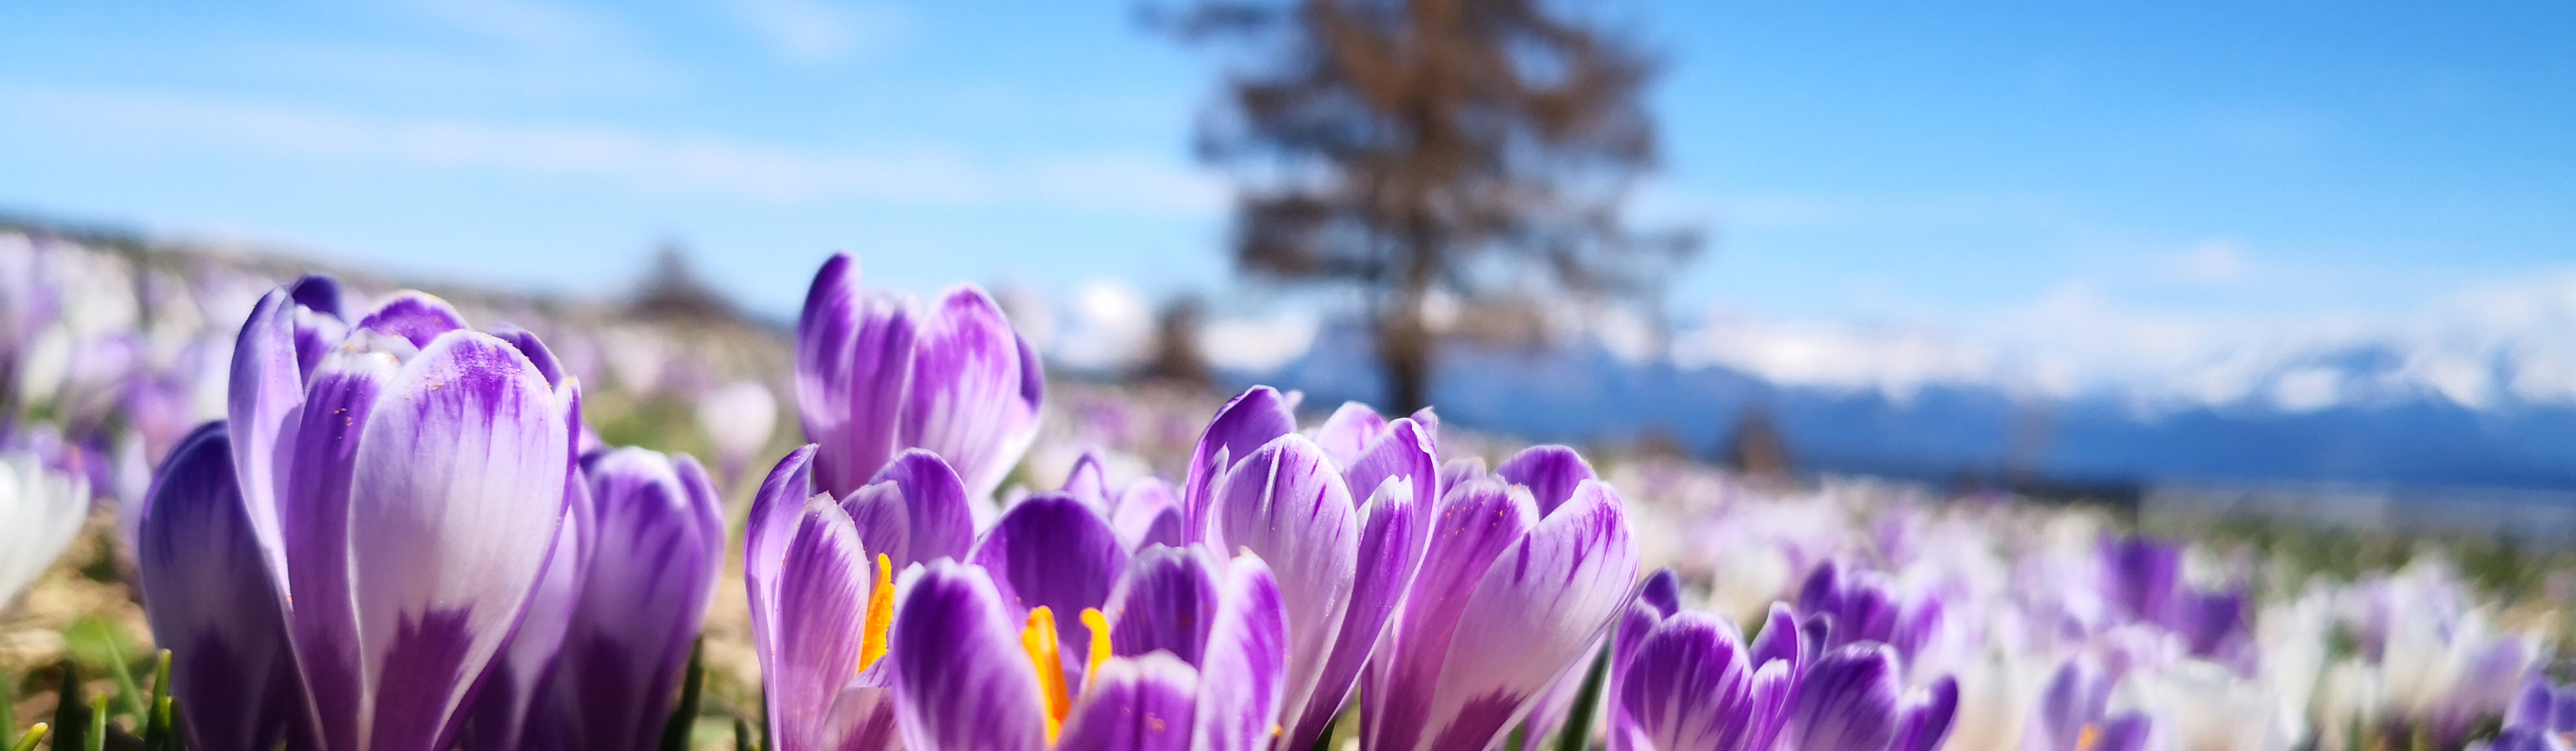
[(2376, 427)]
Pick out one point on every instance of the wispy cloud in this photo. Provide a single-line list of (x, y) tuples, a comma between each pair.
[(645, 161), (822, 32)]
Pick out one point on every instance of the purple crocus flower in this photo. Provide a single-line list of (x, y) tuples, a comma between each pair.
[(1853, 698), (875, 376), (1344, 527), (1146, 512), (214, 606), (1206, 673), (658, 544), (405, 477), (1862, 606), (1514, 587), (1684, 680), (2073, 715)]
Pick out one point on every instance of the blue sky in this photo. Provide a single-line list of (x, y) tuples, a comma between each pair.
[(1972, 165)]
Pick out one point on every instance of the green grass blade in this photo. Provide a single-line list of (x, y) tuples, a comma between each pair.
[(741, 735), (156, 726), (69, 719), (8, 711), (98, 641), (684, 718), (97, 723), (34, 735), (1578, 722)]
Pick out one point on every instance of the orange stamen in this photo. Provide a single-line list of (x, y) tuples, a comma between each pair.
[(2091, 738), (872, 641), (1099, 626), (1038, 639)]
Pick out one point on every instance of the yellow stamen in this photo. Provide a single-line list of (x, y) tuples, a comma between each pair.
[(1099, 626), (872, 642), (1038, 639), (2091, 738)]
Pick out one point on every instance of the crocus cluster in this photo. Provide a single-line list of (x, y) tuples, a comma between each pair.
[(393, 541), (375, 527)]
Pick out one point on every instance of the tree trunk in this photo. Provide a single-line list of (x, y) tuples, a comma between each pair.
[(1404, 350)]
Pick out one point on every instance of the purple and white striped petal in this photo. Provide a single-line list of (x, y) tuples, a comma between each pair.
[(416, 317), (1550, 473), (1691, 684), (1848, 701), (1541, 605), (1251, 419), (914, 510), (659, 517), (1479, 520), (267, 385), (1166, 602), (816, 618), (1350, 431), (976, 388), (963, 682), (1395, 523), (516, 708), (853, 371), (1286, 503), (1246, 663), (1089, 483), (455, 490), (213, 604), (1927, 716), (1051, 550), (1146, 703)]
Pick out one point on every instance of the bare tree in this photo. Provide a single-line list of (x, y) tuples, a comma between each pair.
[(1403, 147)]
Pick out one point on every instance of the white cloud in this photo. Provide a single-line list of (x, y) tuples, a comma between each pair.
[(672, 163), (2207, 262), (1112, 327), (1897, 362), (822, 32), (1258, 344)]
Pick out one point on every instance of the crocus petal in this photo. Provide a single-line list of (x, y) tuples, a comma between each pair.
[(1088, 483), (1848, 701), (211, 601), (1349, 431), (1050, 550), (1692, 685), (1286, 503), (659, 517), (456, 492), (1165, 602), (416, 317), (1538, 607), (775, 509), (2073, 699), (820, 612), (1550, 473), (514, 696), (1779, 639), (1927, 718), (964, 682), (2127, 732), (936, 509), (1398, 473), (1249, 420), (320, 293), (318, 454), (1244, 670), (1458, 472), (1479, 521), (2533, 707), (1148, 514), (2525, 738), (267, 386), (1141, 704), (976, 387), (853, 369)]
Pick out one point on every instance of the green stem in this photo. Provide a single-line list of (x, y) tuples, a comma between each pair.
[(97, 722), (1324, 742), (741, 735), (1578, 723), (684, 718)]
